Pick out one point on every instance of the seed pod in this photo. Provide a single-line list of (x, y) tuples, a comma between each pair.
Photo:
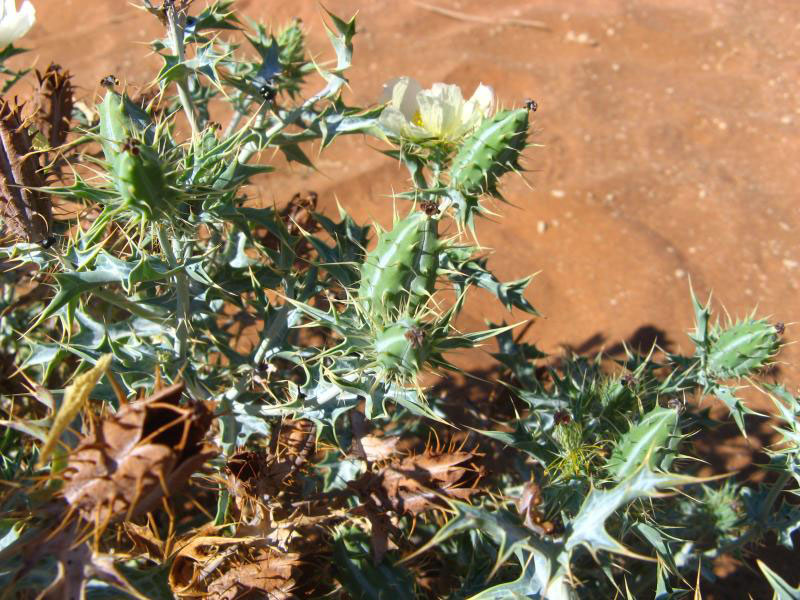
[(400, 273), (135, 167), (427, 262), (489, 153), (115, 126), (742, 348), (402, 348), (131, 459), (26, 211), (54, 101)]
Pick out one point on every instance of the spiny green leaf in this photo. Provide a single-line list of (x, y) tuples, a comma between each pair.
[(588, 527), (783, 591)]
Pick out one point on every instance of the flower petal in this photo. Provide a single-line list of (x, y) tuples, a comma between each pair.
[(393, 121), (26, 16), (402, 92), (14, 24), (482, 99), (440, 110), (9, 8)]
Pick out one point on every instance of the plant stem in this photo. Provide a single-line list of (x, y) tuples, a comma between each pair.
[(182, 291), (175, 25), (237, 117), (773, 494)]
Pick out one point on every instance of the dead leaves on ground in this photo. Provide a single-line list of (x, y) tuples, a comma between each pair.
[(127, 465)]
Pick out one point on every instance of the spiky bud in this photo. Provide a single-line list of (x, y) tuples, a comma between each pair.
[(489, 153), (135, 167), (399, 275), (403, 347), (741, 349)]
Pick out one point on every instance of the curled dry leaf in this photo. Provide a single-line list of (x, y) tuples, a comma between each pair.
[(26, 210), (222, 568), (411, 485), (299, 213), (145, 539), (132, 459), (297, 217), (246, 470), (268, 576), (528, 506), (268, 474)]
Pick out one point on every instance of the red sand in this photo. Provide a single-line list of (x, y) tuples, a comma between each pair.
[(668, 132)]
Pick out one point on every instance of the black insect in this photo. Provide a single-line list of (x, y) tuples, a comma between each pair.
[(629, 380), (430, 207), (675, 404), (109, 81), (531, 104), (131, 145), (780, 327), (48, 243), (268, 90), (416, 336)]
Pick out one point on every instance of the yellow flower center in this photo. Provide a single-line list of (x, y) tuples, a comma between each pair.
[(417, 119)]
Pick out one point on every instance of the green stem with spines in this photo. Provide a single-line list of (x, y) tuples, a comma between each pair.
[(175, 27), (182, 293)]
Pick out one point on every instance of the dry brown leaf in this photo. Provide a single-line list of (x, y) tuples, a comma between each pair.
[(380, 527), (77, 565), (268, 576), (212, 566), (411, 484), (246, 470), (256, 478), (134, 458), (379, 448), (146, 542)]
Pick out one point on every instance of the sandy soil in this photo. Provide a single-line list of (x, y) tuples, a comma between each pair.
[(669, 145)]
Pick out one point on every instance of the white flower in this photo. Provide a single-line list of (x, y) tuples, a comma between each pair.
[(15, 23), (440, 113)]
